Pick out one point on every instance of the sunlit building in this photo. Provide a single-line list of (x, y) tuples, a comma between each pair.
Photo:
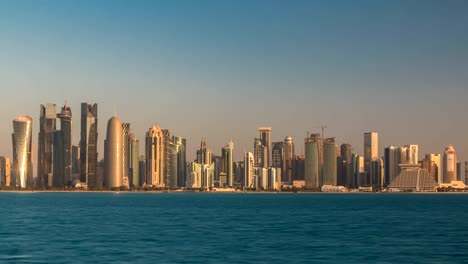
[(249, 170), (5, 172), (22, 170), (134, 161), (113, 155), (412, 154), (154, 149), (288, 159), (313, 158), (431, 163), (264, 134), (412, 179), (260, 154), (329, 163), (449, 165), (371, 149)]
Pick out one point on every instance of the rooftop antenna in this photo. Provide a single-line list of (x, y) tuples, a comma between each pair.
[(115, 110)]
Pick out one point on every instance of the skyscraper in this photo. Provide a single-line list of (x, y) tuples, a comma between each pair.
[(377, 172), (391, 164), (126, 153), (329, 162), (277, 154), (62, 174), (299, 168), (313, 157), (264, 134), (142, 169), (346, 164), (431, 163), (204, 154), (412, 154), (76, 162), (47, 126), (113, 154), (228, 162), (288, 159), (88, 145), (450, 165), (134, 160), (22, 152), (181, 144), (371, 149), (260, 154), (5, 172), (154, 149), (249, 170)]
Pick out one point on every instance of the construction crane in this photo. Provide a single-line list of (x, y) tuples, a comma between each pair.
[(323, 130)]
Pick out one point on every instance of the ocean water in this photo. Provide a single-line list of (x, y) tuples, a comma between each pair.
[(233, 228)]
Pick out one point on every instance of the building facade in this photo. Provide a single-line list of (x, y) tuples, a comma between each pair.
[(329, 163), (288, 159), (449, 165), (264, 134), (22, 170), (113, 155), (154, 150), (63, 171), (371, 149), (47, 126), (313, 164), (5, 172), (228, 162), (88, 145)]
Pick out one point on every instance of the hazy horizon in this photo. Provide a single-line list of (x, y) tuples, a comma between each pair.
[(221, 69)]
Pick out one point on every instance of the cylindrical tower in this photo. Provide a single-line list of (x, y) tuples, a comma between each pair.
[(113, 154), (450, 164)]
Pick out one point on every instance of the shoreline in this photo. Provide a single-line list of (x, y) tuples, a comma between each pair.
[(214, 192)]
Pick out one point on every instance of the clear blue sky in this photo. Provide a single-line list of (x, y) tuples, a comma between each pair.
[(220, 69)]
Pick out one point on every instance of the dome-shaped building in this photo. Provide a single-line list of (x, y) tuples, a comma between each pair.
[(113, 151)]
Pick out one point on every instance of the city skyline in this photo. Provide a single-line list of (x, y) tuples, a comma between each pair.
[(358, 149), (220, 70)]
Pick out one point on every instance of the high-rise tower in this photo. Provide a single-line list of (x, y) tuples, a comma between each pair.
[(126, 153), (154, 149), (22, 152), (288, 159), (264, 134), (62, 174), (329, 162), (450, 165), (371, 149), (47, 126), (88, 145), (181, 144), (248, 170), (313, 158), (134, 160), (113, 154), (227, 157), (5, 172)]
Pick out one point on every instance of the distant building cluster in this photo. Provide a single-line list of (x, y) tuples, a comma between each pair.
[(271, 166)]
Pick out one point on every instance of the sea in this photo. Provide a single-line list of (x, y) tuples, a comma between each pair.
[(233, 228)]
